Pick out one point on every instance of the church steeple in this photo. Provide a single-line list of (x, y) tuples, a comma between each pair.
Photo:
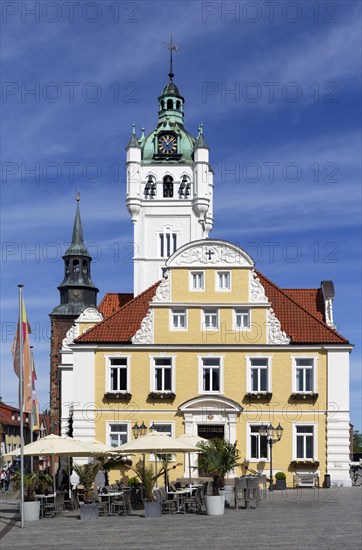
[(77, 290)]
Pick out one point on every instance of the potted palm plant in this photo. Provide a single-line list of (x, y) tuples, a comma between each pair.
[(218, 457), (32, 482), (87, 474), (147, 476)]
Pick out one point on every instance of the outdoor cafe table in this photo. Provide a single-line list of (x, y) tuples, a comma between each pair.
[(44, 500), (109, 496), (179, 494)]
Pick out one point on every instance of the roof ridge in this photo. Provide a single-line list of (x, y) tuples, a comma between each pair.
[(324, 325), (294, 288), (117, 311)]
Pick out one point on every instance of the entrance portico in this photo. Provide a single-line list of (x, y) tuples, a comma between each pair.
[(209, 416)]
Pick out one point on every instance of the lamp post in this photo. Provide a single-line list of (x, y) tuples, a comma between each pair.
[(273, 435)]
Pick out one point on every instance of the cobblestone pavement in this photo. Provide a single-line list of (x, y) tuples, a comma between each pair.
[(307, 519)]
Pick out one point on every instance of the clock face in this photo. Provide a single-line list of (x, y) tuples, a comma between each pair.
[(167, 144), (75, 294)]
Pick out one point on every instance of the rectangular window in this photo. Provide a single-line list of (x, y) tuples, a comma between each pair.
[(118, 374), (211, 319), (165, 429), (304, 375), (118, 434), (223, 280), (163, 375), (305, 442), (179, 318), (242, 318), (258, 444), (167, 244), (210, 375), (197, 280), (259, 375)]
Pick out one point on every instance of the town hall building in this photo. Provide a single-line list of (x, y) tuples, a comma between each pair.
[(207, 345)]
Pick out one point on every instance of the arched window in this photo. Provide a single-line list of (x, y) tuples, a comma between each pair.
[(169, 104), (85, 266), (178, 105), (76, 266), (162, 105), (167, 187), (150, 188), (67, 267)]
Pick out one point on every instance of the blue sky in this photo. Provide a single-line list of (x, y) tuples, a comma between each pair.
[(278, 93)]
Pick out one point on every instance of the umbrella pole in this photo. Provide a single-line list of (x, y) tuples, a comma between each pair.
[(156, 470), (190, 468)]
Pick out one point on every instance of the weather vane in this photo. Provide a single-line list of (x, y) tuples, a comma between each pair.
[(173, 48)]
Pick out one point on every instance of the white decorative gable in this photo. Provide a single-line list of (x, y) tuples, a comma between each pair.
[(256, 289), (210, 253), (275, 335), (89, 315), (144, 335), (163, 293)]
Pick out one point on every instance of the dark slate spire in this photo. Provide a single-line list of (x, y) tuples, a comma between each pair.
[(77, 290), (77, 246), (200, 140)]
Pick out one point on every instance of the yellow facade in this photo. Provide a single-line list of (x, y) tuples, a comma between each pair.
[(187, 347)]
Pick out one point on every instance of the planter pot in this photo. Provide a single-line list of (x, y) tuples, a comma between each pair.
[(32, 510), (215, 505), (153, 509), (281, 484), (88, 512)]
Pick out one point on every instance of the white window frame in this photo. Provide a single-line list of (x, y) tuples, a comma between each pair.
[(218, 287), (248, 443), (176, 311), (206, 311), (315, 439), (249, 366), (163, 423), (191, 281), (201, 374), (313, 358), (172, 358), (235, 314), (110, 423), (108, 373)]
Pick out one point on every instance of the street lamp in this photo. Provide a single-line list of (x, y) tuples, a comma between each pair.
[(273, 435), (139, 430)]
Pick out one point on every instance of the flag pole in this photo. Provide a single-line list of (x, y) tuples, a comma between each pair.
[(21, 403)]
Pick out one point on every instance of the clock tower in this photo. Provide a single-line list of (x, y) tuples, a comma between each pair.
[(77, 292), (169, 188)]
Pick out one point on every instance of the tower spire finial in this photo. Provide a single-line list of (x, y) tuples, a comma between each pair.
[(173, 48), (77, 196)]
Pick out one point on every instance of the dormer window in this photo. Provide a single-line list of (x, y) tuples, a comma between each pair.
[(167, 187)]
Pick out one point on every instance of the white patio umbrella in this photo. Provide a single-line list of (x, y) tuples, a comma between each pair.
[(192, 440), (54, 445), (156, 443)]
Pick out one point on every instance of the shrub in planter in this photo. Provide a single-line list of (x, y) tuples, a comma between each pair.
[(147, 476), (281, 481), (87, 474)]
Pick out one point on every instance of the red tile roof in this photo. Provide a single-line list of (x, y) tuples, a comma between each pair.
[(301, 325), (300, 312), (310, 299), (124, 323), (113, 301)]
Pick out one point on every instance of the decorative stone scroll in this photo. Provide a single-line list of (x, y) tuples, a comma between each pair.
[(144, 335), (275, 333), (163, 291), (71, 335), (256, 291), (212, 253), (90, 315)]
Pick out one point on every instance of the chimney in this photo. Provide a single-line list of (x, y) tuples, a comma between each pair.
[(327, 288)]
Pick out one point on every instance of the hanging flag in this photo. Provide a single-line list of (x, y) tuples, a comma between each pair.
[(35, 404), (24, 326)]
